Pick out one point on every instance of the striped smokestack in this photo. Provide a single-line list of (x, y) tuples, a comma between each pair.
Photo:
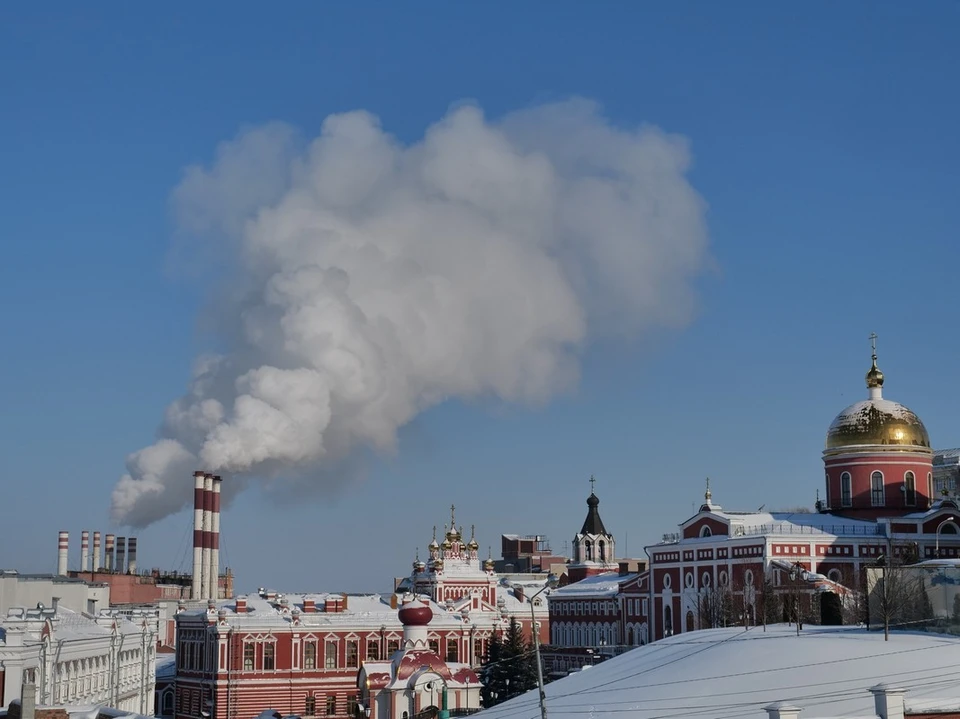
[(63, 550), (85, 551), (215, 540), (97, 560), (120, 557), (197, 579), (108, 559), (205, 587), (131, 555)]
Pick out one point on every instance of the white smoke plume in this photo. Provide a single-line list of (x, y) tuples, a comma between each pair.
[(364, 280)]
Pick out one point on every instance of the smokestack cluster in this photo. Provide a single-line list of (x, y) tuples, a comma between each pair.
[(206, 535), (121, 554)]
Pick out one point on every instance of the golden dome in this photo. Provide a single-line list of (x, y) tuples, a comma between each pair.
[(877, 422), (473, 545), (446, 545)]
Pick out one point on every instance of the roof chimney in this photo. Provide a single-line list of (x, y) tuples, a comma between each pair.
[(97, 561), (782, 710), (196, 584), (241, 607), (309, 605), (110, 548), (28, 698), (888, 700), (121, 555)]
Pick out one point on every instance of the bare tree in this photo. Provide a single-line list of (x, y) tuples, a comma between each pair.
[(714, 607), (896, 595)]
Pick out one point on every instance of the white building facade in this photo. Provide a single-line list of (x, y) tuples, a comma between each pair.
[(78, 659)]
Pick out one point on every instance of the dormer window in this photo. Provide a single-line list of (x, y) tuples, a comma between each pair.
[(705, 531)]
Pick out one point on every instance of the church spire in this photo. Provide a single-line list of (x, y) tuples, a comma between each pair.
[(707, 496), (593, 524), (874, 375)]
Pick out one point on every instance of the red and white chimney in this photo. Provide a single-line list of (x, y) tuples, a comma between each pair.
[(108, 563), (97, 560), (207, 584), (131, 555), (197, 580), (215, 539), (63, 551), (120, 556), (85, 551)]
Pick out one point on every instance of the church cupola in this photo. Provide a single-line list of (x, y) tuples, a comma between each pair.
[(877, 456), (594, 548)]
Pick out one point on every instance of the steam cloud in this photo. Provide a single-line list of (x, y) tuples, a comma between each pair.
[(369, 280)]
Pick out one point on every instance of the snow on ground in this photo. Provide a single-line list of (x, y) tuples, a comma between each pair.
[(727, 673)]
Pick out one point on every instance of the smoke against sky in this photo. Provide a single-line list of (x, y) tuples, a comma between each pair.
[(366, 280)]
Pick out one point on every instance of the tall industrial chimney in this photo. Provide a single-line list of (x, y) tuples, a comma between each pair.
[(97, 560), (108, 563), (207, 534), (131, 555), (63, 551), (197, 581), (85, 551), (215, 540), (120, 558)]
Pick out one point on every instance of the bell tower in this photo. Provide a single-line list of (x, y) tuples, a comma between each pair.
[(594, 549)]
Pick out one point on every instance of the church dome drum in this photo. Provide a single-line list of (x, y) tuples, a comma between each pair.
[(415, 614)]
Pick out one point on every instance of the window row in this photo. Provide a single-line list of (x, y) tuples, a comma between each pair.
[(598, 607), (878, 489), (330, 705)]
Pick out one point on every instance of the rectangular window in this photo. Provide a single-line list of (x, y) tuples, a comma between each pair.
[(644, 610), (269, 654), (373, 650), (477, 651), (310, 655), (330, 657), (876, 489), (310, 706), (909, 490), (248, 655), (452, 653), (331, 705), (393, 645), (353, 654), (352, 705)]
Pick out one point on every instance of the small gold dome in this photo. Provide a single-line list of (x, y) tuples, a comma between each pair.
[(874, 376), (446, 545), (472, 545), (488, 565)]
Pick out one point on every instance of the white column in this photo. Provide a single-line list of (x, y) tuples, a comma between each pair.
[(215, 540), (197, 583), (206, 586), (63, 550)]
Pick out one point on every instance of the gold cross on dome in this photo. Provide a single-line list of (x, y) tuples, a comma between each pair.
[(593, 483), (873, 343), (453, 523)]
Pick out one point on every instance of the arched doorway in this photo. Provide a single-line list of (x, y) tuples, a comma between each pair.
[(831, 611), (691, 622)]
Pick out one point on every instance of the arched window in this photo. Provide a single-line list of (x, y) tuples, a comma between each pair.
[(269, 656), (588, 547), (310, 655), (667, 581), (667, 621), (846, 491), (688, 580), (748, 578), (827, 495), (834, 575), (723, 579), (705, 531), (876, 489), (705, 580), (909, 489), (602, 546)]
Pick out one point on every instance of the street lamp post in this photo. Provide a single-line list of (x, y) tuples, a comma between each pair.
[(939, 527), (552, 581)]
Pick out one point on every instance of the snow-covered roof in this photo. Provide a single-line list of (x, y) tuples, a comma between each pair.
[(788, 523), (726, 673), (67, 624), (599, 585), (166, 666)]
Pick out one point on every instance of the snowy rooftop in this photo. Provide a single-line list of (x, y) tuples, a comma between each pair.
[(607, 583), (727, 673), (67, 624), (745, 524)]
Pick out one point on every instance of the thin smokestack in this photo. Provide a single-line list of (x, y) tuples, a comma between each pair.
[(63, 551), (121, 555), (132, 555), (207, 534), (108, 564), (197, 579), (85, 551), (215, 540), (97, 560)]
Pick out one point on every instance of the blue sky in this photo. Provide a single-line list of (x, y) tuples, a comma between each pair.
[(823, 140)]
